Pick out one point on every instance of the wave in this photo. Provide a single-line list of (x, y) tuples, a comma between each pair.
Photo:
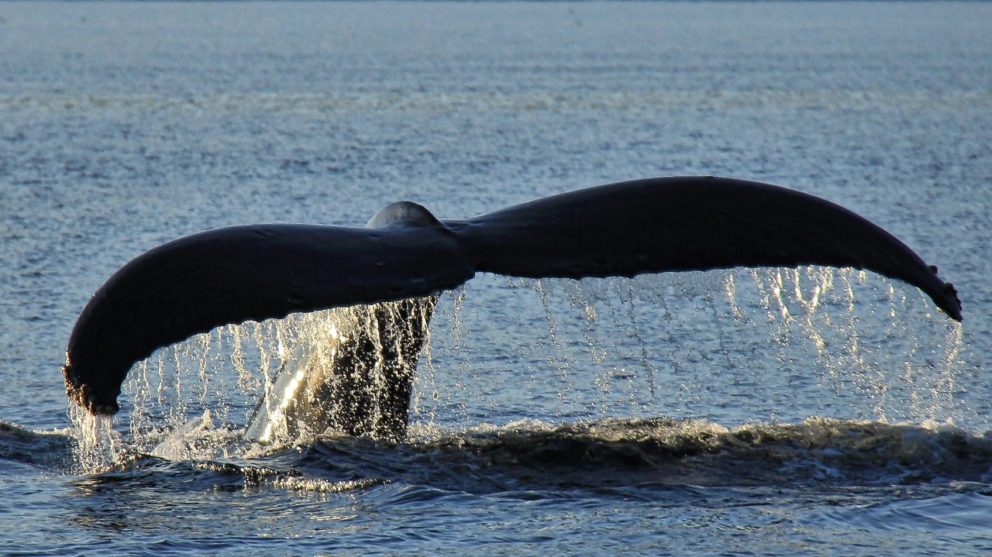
[(617, 452), (663, 451), (50, 450), (527, 101)]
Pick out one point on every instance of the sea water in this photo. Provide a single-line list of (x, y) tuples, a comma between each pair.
[(773, 411)]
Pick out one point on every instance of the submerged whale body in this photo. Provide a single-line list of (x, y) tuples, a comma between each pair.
[(406, 256)]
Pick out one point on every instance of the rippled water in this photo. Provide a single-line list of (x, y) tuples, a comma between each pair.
[(768, 412)]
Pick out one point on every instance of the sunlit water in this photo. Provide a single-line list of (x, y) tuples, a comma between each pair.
[(773, 411)]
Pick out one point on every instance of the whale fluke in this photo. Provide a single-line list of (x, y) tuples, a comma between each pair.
[(687, 224), (232, 275)]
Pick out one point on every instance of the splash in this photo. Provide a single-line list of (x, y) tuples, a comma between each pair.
[(98, 445), (271, 418)]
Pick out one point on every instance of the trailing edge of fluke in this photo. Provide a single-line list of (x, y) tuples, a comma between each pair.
[(231, 275)]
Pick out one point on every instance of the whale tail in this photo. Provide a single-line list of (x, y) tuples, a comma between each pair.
[(232, 275)]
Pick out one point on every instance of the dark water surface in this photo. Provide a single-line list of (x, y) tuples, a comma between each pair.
[(771, 412)]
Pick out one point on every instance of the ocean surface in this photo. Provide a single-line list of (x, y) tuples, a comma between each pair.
[(748, 412)]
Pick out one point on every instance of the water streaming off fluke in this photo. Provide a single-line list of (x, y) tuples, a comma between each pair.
[(786, 343)]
